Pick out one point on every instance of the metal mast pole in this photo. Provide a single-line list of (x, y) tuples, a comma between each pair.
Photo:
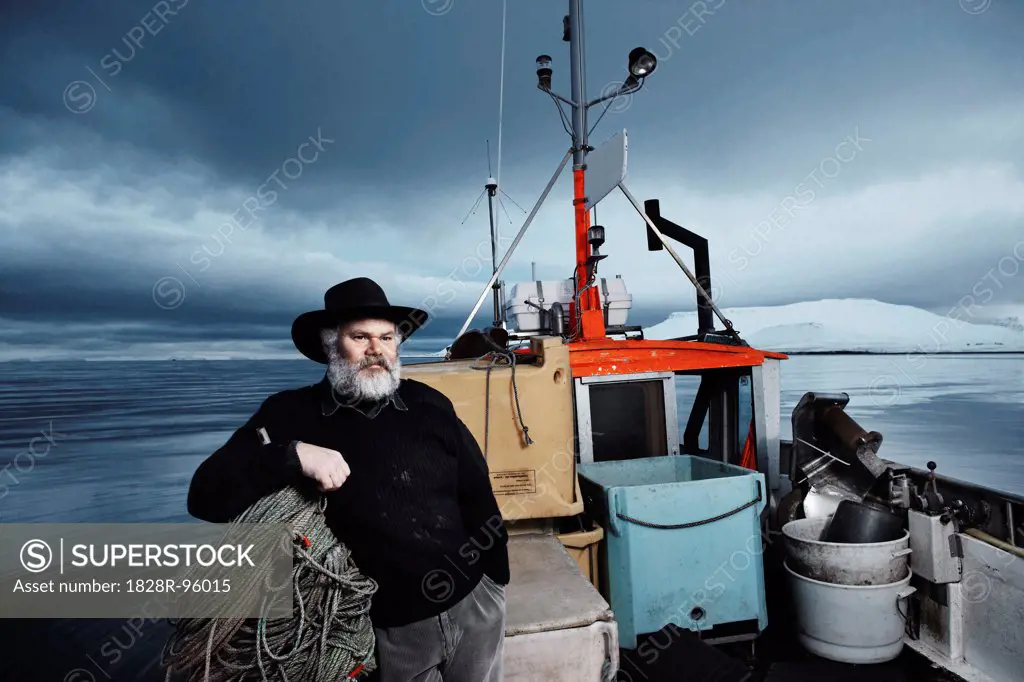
[(578, 86), (492, 188), (587, 320)]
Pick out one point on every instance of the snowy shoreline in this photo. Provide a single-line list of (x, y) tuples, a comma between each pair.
[(856, 326)]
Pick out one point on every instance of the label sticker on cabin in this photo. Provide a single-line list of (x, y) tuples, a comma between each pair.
[(518, 482)]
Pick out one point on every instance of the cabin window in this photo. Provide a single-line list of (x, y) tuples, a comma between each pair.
[(715, 409), (628, 420), (704, 413), (626, 417)]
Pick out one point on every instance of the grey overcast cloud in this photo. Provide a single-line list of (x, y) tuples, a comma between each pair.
[(182, 178)]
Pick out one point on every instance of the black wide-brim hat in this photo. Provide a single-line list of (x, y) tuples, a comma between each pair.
[(355, 299)]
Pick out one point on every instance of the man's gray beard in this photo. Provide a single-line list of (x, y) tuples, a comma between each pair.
[(350, 384)]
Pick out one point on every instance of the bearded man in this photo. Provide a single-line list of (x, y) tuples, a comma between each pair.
[(407, 488)]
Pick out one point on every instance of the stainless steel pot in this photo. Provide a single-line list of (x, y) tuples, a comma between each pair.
[(862, 563)]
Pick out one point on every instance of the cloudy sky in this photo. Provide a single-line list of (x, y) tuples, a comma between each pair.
[(836, 149)]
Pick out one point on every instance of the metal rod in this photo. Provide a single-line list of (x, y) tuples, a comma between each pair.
[(1010, 521), (559, 97), (576, 80), (623, 90), (827, 454), (515, 242), (678, 260)]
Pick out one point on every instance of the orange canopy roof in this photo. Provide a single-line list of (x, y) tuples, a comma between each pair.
[(603, 357)]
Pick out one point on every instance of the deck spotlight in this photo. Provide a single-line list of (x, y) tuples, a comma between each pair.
[(544, 72), (595, 235), (642, 63)]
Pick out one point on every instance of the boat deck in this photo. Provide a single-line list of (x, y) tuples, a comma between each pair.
[(98, 651), (685, 657), (104, 651), (775, 656), (120, 651)]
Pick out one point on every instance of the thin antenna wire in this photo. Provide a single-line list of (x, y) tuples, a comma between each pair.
[(502, 204), (565, 121), (512, 200), (473, 210), (501, 87)]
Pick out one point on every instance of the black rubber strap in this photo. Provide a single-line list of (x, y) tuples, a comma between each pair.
[(677, 526)]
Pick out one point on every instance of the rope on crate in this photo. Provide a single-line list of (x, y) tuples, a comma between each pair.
[(499, 357), (328, 637)]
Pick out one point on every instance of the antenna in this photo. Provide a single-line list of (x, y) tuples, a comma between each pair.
[(493, 182), (491, 189), (501, 83)]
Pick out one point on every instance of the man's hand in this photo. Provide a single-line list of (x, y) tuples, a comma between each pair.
[(327, 467)]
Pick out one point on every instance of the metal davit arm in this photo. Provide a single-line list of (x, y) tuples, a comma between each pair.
[(512, 248), (679, 261), (701, 260)]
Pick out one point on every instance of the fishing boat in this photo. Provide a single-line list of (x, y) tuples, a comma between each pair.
[(658, 533), (660, 527)]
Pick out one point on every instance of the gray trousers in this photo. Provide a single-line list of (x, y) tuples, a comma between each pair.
[(463, 644)]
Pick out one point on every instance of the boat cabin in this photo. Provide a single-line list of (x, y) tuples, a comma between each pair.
[(545, 407)]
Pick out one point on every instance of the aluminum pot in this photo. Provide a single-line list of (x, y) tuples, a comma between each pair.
[(864, 563), (859, 624)]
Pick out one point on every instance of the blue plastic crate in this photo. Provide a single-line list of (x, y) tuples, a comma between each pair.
[(684, 542)]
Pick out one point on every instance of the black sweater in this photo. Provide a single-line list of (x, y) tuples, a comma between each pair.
[(417, 510)]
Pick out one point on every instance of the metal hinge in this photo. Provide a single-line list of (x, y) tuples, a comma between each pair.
[(956, 547)]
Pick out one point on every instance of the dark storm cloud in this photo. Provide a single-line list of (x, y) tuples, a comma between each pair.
[(97, 295), (142, 140), (236, 83), (411, 96)]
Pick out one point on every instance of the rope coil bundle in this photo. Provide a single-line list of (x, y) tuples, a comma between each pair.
[(328, 637)]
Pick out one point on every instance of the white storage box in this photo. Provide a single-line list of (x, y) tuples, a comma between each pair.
[(557, 625), (521, 308)]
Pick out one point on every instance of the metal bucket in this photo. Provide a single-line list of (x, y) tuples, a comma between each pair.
[(860, 624), (869, 563)]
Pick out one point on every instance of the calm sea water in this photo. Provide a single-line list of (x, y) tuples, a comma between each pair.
[(119, 442), (124, 438)]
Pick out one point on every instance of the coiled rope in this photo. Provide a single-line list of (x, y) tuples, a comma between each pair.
[(328, 637)]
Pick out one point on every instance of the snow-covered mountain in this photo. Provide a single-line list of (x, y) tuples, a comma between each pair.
[(1013, 323), (860, 325)]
